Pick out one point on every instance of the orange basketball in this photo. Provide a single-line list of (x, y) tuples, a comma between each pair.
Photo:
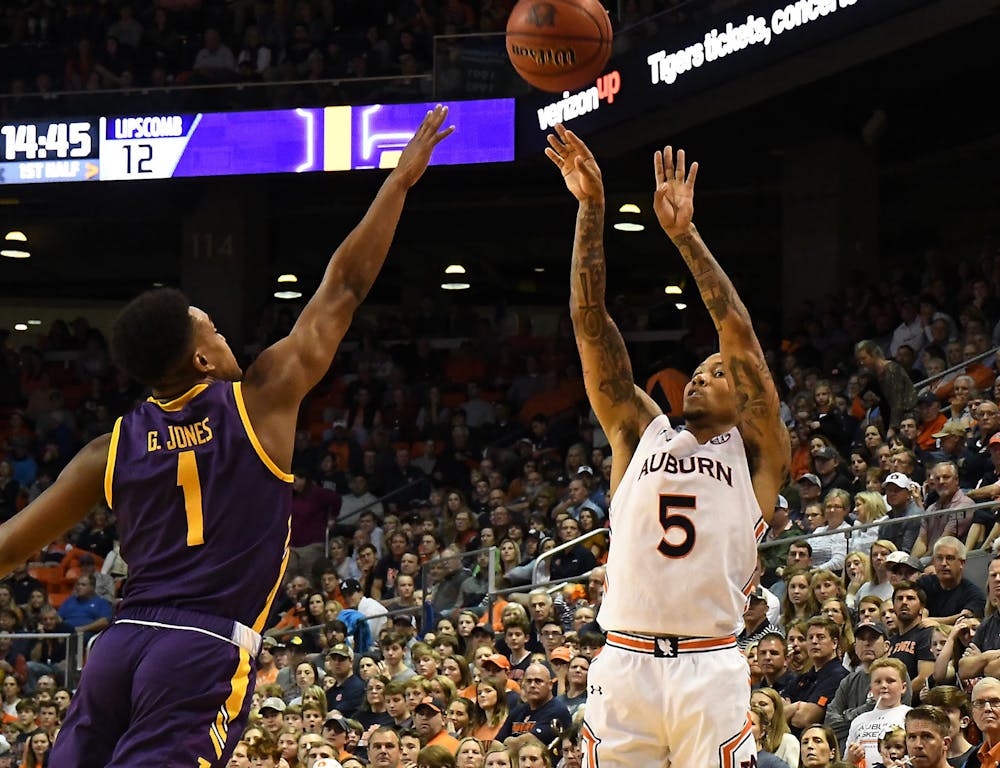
[(559, 45)]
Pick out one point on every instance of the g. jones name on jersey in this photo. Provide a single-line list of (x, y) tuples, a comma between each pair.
[(665, 462)]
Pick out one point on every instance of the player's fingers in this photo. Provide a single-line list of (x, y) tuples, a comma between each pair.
[(439, 137), (658, 167), (577, 143), (437, 118), (668, 162), (561, 130), (693, 175), (552, 155), (681, 167), (556, 144)]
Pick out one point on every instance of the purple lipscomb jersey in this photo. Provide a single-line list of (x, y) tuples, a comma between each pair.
[(203, 512)]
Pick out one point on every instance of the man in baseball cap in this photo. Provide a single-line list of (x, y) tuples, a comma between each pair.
[(335, 730), (270, 715), (428, 721), (902, 566), (898, 497)]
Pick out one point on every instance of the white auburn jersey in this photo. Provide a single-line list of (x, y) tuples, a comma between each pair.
[(684, 530)]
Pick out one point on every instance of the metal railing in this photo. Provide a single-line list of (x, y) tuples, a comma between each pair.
[(955, 368), (536, 571), (464, 66), (880, 523), (66, 636)]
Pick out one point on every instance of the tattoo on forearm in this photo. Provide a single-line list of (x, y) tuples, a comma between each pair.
[(601, 345), (714, 285)]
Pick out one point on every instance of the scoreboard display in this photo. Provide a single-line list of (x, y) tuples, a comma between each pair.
[(168, 145)]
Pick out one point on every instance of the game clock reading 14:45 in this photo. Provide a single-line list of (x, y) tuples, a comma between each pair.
[(48, 151)]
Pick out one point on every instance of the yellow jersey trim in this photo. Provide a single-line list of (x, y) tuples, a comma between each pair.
[(230, 710), (258, 625), (245, 418), (109, 469), (180, 401)]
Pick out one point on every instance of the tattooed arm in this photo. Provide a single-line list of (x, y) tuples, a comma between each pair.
[(622, 408), (759, 419)]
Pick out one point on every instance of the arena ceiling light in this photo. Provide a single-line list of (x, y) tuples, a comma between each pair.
[(15, 253), (681, 305), (20, 326), (454, 269), (288, 295), (673, 290), (288, 278), (629, 218), (16, 236), (455, 286)]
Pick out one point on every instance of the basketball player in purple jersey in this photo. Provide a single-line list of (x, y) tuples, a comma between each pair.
[(198, 477)]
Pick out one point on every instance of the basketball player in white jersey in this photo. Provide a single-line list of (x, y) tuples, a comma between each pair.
[(670, 687)]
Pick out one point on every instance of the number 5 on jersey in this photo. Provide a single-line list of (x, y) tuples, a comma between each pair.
[(670, 519), (189, 482)]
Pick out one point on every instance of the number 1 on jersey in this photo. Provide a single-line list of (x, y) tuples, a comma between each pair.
[(190, 484), (670, 520)]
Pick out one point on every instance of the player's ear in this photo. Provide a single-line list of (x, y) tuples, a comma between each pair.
[(201, 362)]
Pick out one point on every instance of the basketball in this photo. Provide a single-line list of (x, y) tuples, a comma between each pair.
[(559, 45)]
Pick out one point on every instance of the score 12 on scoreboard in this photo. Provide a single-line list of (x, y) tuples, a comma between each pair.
[(296, 140)]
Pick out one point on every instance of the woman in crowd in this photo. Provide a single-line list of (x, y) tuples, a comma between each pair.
[(818, 747), (755, 672), (435, 757), (491, 708), (857, 572), (868, 508), (598, 545), (873, 438), (508, 556), (861, 460), (369, 665), (798, 656), (575, 694), (305, 675), (878, 585), (37, 752), (288, 743), (798, 602), (759, 723), (442, 687), (11, 696), (829, 552), (372, 710), (956, 642), (777, 738), (836, 610), (497, 756), (460, 717), (529, 751), (826, 584), (315, 618), (470, 753), (465, 622), (456, 669)]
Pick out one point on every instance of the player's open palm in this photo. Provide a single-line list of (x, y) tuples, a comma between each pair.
[(417, 154), (576, 163), (673, 200)]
